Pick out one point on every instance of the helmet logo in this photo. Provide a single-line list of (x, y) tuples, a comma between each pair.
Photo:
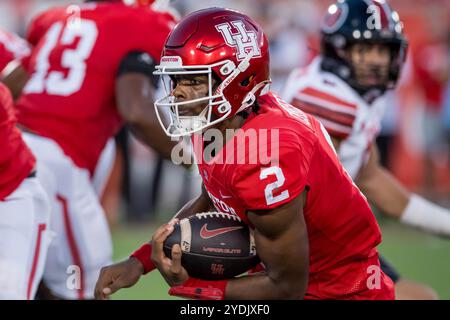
[(243, 40), (335, 18)]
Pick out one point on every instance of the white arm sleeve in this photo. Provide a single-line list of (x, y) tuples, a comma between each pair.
[(425, 215)]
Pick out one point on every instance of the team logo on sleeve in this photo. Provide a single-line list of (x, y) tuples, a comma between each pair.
[(243, 40)]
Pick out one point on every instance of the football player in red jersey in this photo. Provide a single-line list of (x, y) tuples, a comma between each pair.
[(345, 88), (314, 231), (90, 72), (24, 211)]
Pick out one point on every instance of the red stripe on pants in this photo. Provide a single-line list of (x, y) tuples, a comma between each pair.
[(37, 250), (72, 243)]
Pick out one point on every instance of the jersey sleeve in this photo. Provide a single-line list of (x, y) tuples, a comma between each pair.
[(37, 28), (265, 187), (336, 114), (6, 56), (6, 104), (147, 33), (12, 47)]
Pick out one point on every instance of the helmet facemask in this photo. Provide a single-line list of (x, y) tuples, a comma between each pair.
[(174, 115)]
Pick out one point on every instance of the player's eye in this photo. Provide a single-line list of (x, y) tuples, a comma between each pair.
[(173, 82), (384, 50), (363, 49), (196, 82), (191, 81)]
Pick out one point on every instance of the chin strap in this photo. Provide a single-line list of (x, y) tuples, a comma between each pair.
[(250, 98)]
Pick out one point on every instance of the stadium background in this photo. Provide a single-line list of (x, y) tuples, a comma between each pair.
[(144, 191)]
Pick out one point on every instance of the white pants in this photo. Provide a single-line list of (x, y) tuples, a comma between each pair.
[(82, 243), (104, 167), (24, 239)]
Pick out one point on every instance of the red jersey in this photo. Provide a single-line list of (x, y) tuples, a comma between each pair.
[(12, 47), (70, 96), (342, 230), (16, 160)]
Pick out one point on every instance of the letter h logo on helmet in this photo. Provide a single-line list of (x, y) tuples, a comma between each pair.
[(244, 40)]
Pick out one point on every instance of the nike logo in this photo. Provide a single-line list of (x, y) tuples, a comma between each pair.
[(206, 234)]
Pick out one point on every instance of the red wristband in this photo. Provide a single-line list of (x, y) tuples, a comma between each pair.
[(215, 289), (143, 254)]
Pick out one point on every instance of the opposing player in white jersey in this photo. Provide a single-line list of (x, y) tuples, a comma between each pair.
[(362, 52)]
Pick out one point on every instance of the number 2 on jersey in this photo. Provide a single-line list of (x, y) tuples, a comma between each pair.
[(55, 82), (270, 198)]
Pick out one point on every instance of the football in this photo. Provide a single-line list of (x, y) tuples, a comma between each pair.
[(214, 246)]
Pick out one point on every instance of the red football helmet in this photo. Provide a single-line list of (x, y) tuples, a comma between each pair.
[(138, 3), (221, 44)]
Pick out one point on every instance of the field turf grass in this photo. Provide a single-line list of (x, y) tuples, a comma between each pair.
[(418, 256)]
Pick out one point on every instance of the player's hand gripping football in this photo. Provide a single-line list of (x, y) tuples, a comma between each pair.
[(117, 276), (171, 269)]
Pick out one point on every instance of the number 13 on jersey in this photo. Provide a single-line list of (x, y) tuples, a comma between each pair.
[(73, 59)]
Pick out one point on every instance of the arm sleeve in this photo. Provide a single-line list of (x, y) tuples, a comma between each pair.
[(6, 104), (139, 62), (5, 57), (265, 187), (12, 47)]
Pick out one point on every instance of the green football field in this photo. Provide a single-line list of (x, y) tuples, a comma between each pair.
[(420, 257)]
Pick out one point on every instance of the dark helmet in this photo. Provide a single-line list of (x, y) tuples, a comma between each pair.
[(361, 21)]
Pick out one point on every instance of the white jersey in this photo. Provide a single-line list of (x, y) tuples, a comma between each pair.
[(340, 109)]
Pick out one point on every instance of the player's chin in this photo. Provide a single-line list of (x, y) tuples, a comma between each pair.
[(372, 81), (191, 110)]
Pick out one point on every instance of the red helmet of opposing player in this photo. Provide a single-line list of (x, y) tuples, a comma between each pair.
[(224, 45)]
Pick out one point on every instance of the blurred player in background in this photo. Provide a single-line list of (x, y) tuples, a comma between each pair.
[(12, 50), (24, 211), (90, 72), (363, 50), (314, 230)]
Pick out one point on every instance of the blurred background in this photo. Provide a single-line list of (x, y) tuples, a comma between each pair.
[(144, 191)]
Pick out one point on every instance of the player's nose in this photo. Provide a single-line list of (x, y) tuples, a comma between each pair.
[(376, 56), (179, 93)]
